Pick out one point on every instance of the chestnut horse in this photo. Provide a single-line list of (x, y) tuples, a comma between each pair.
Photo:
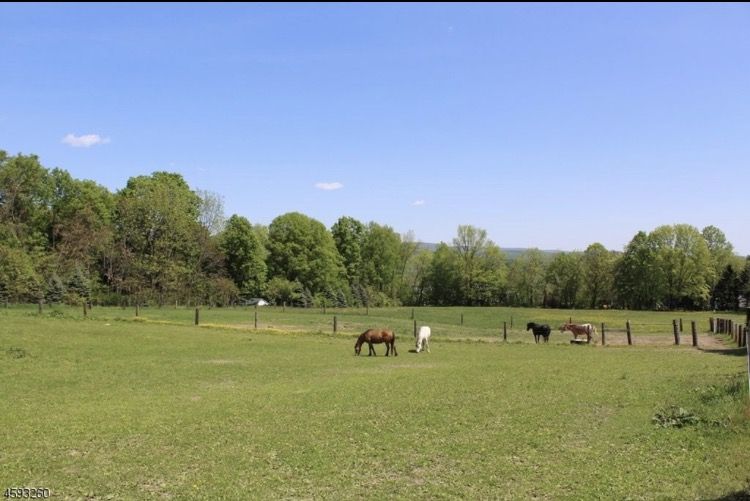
[(376, 336), (580, 330)]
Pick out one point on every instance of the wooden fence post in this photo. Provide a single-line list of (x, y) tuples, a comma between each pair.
[(511, 321), (505, 331), (604, 335), (85, 313), (415, 329), (711, 324), (335, 324), (197, 316), (462, 318), (255, 324), (676, 332), (40, 306), (681, 326), (627, 329), (136, 309), (694, 330), (739, 336)]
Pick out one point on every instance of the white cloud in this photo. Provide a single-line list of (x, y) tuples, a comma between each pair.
[(85, 141), (417, 203), (329, 186)]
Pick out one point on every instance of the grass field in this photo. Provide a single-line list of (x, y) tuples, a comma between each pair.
[(121, 409), (483, 323)]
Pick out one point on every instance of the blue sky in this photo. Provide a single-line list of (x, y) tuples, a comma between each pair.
[(550, 126)]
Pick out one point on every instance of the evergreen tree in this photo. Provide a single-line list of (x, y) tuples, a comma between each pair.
[(55, 290)]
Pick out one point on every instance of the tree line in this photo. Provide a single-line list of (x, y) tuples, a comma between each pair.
[(157, 241)]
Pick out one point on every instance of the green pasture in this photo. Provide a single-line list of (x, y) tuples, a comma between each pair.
[(112, 408), (484, 323)]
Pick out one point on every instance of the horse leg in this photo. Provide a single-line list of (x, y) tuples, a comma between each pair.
[(393, 347), (427, 344), (387, 349), (372, 350)]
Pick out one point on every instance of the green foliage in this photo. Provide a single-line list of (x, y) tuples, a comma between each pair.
[(444, 277), (727, 290), (211, 211), (526, 279), (55, 290), (301, 249), (674, 417), (18, 276), (349, 235), (156, 225), (158, 241), (279, 290), (222, 292), (564, 275), (481, 267), (381, 252), (720, 250), (416, 287), (80, 221), (243, 256), (684, 263), (25, 192), (637, 278), (598, 275), (79, 285)]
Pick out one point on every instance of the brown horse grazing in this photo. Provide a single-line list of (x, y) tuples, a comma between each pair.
[(587, 330), (376, 336)]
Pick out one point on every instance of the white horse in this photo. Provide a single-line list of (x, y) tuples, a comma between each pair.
[(423, 339)]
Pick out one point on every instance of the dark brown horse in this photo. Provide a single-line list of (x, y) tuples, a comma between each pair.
[(539, 331), (376, 336)]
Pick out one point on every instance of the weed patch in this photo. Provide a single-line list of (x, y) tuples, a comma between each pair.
[(17, 352)]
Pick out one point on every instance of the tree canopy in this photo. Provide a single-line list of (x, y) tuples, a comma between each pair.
[(159, 240)]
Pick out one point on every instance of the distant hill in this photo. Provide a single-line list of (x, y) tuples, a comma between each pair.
[(510, 252)]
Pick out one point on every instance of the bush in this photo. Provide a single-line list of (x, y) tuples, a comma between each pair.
[(674, 417)]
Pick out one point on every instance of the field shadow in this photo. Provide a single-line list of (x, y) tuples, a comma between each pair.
[(732, 352), (743, 495)]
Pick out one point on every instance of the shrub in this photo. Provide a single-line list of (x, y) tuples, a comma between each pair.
[(674, 417)]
